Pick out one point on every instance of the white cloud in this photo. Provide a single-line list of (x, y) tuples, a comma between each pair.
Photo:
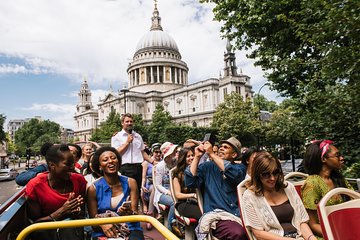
[(97, 39), (51, 107)]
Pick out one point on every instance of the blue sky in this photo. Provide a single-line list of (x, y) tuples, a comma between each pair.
[(47, 48)]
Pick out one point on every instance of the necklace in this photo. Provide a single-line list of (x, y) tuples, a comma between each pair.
[(63, 191)]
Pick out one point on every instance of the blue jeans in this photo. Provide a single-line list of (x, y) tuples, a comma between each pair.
[(168, 201)]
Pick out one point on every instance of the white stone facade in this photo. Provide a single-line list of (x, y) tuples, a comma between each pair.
[(157, 75)]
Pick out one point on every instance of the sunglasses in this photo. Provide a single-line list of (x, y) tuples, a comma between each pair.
[(268, 175), (157, 152)]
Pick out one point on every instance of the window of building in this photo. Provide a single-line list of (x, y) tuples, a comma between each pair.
[(179, 112), (225, 91)]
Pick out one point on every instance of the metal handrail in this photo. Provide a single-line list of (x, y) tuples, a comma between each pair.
[(97, 221)]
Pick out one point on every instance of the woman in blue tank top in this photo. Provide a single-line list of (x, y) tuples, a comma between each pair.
[(108, 193)]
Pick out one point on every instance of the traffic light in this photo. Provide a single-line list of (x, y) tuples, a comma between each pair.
[(28, 153)]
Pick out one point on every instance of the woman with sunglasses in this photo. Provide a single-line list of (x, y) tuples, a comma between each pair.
[(322, 161), (272, 207)]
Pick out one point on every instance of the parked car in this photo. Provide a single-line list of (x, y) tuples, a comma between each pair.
[(8, 174)]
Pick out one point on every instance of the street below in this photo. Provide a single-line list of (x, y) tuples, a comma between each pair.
[(9, 187)]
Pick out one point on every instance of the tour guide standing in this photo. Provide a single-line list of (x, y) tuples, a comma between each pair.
[(131, 148)]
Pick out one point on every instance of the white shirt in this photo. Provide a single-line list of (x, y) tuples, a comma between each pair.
[(133, 153)]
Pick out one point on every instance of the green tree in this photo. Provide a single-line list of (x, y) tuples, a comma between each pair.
[(140, 127), (285, 127), (107, 129), (2, 133), (239, 118), (264, 104), (34, 133), (296, 42), (179, 134), (11, 147), (310, 51), (161, 119)]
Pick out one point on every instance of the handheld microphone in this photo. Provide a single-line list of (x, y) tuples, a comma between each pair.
[(130, 130)]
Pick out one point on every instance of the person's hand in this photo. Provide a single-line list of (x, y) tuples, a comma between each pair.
[(144, 189), (208, 147), (109, 230), (125, 210), (130, 138), (199, 150), (73, 204)]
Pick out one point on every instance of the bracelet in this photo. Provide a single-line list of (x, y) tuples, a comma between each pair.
[(52, 218), (312, 235)]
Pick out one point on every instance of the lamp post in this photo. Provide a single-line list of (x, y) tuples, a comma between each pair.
[(124, 91), (259, 105)]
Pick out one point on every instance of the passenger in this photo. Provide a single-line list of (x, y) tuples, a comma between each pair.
[(272, 207), (162, 180), (247, 159), (58, 194), (77, 152), (147, 187), (216, 149), (187, 204), (87, 150), (322, 161), (89, 173), (107, 194), (217, 180), (24, 177)]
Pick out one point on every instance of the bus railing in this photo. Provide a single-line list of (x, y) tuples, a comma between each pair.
[(97, 221)]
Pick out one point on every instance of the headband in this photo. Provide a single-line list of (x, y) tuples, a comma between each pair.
[(324, 145)]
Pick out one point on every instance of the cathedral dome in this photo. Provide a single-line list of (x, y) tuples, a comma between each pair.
[(157, 64), (157, 39)]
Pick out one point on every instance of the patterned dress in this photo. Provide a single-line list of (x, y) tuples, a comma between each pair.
[(314, 190)]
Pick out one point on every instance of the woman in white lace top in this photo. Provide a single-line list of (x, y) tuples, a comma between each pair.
[(272, 207)]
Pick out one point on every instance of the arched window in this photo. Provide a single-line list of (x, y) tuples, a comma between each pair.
[(194, 124)]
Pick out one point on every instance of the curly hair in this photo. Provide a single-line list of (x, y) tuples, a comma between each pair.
[(95, 161), (265, 162)]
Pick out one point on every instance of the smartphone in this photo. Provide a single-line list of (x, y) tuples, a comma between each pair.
[(210, 137), (126, 204)]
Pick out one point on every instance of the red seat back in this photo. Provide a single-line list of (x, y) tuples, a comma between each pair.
[(340, 221)]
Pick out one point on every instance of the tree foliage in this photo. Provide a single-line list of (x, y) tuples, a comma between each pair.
[(11, 147), (284, 127), (2, 132), (179, 134), (310, 51), (296, 42), (107, 129), (35, 133), (161, 119), (236, 117), (263, 104)]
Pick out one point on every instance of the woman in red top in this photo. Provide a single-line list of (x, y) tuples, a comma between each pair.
[(57, 194)]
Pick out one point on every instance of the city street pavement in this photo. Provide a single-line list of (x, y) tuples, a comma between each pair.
[(9, 188)]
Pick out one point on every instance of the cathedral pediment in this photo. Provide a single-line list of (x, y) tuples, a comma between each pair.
[(109, 97)]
